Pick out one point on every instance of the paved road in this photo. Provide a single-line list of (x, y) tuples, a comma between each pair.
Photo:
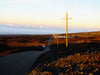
[(48, 46), (20, 63)]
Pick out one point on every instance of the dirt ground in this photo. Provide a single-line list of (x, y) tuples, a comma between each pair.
[(19, 43), (81, 57)]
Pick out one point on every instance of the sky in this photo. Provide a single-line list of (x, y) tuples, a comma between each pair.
[(85, 14)]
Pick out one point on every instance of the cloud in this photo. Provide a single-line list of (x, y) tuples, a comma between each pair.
[(10, 24), (41, 26), (21, 1)]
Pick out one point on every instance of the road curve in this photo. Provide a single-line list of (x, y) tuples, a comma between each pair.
[(20, 63)]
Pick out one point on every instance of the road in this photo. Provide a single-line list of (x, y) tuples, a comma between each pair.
[(20, 63), (48, 45)]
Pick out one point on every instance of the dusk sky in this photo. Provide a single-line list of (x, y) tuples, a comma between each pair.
[(85, 14)]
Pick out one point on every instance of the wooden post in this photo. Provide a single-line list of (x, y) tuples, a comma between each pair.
[(66, 29), (57, 39)]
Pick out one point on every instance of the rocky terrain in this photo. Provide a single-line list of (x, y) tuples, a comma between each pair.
[(19, 43), (82, 60)]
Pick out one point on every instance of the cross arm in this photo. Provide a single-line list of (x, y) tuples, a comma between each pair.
[(65, 18)]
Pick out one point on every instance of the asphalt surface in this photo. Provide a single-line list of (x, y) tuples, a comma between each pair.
[(20, 63)]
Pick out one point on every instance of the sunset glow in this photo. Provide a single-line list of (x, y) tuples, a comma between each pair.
[(48, 13)]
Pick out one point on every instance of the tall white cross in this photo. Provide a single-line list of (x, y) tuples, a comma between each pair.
[(66, 28)]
